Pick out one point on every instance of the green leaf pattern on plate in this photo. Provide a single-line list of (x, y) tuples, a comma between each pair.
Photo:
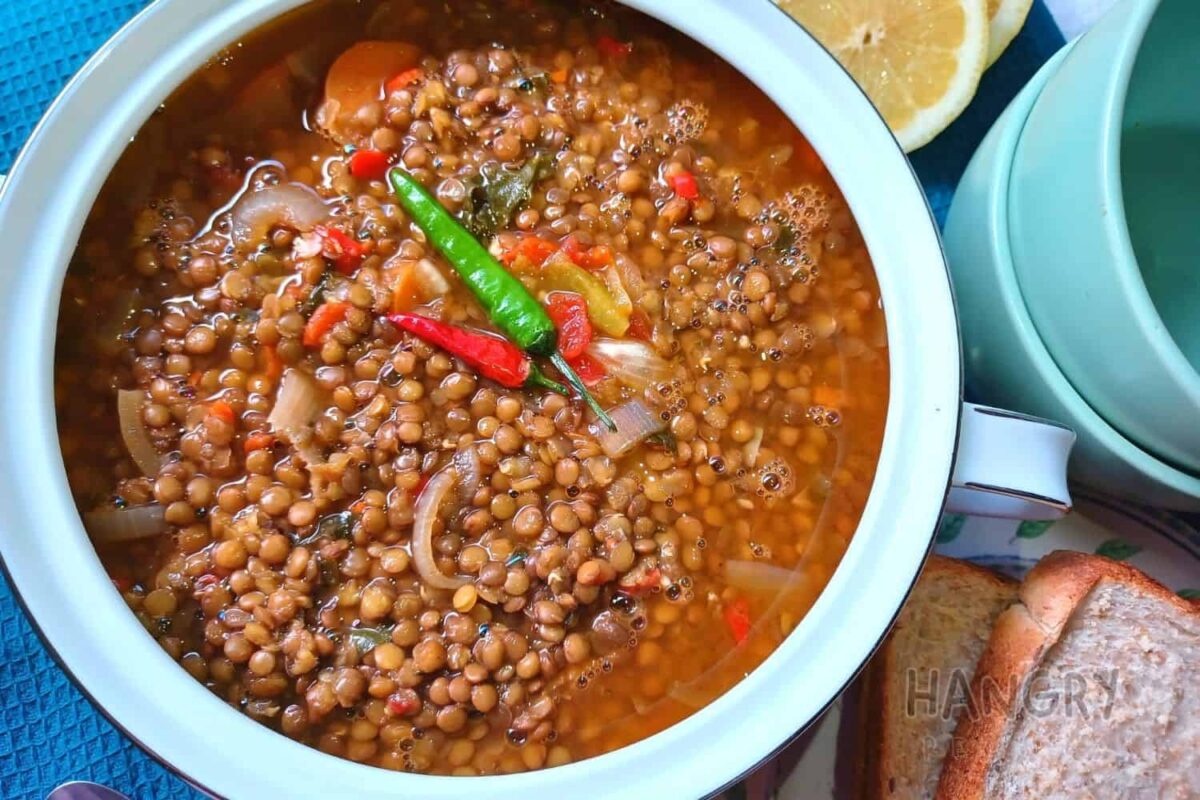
[(1032, 529), (1118, 550), (1190, 594), (950, 527)]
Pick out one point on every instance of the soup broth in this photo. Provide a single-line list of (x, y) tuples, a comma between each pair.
[(395, 552)]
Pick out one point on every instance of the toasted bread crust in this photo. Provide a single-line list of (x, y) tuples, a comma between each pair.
[(1051, 593), (877, 741)]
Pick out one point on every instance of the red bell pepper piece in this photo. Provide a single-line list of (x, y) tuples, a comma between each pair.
[(346, 253), (404, 80), (737, 618), (684, 185), (369, 165), (613, 48)]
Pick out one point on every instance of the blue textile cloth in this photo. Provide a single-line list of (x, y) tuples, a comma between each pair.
[(50, 733)]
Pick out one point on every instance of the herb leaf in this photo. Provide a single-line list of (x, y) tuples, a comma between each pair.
[(496, 194), (367, 639), (529, 80), (332, 526), (665, 440)]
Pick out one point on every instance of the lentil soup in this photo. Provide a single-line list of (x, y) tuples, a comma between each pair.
[(316, 433)]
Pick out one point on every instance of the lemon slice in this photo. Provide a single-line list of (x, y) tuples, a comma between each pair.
[(1005, 18), (918, 60)]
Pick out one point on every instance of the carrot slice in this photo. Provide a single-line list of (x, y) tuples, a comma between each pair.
[(322, 321)]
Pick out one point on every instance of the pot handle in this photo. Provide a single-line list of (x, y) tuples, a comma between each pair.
[(1010, 465)]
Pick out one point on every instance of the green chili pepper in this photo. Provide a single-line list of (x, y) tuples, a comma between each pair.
[(508, 303)]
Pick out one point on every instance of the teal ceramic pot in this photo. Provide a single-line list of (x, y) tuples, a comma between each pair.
[(1130, 81), (1005, 359)]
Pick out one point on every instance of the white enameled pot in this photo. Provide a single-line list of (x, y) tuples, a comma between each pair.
[(1014, 466)]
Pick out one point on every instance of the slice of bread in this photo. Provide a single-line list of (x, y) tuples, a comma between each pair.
[(916, 686), (1089, 688)]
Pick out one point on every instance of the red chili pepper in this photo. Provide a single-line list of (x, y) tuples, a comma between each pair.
[(612, 48), (737, 618), (345, 252), (492, 357), (369, 165), (322, 321), (404, 80), (570, 314), (684, 185), (639, 326)]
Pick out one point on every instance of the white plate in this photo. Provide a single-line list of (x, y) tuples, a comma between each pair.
[(1163, 546)]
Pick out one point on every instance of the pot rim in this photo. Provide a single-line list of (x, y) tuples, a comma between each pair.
[(111, 96)]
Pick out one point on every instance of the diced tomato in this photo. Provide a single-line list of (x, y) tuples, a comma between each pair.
[(272, 363), (737, 619), (322, 321), (559, 76), (222, 410), (684, 185), (639, 326), (534, 248), (259, 440), (369, 165), (589, 370), (345, 252), (613, 48), (406, 288), (597, 257), (420, 487), (405, 79), (570, 314)]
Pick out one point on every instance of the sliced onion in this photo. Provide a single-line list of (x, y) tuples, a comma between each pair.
[(130, 405), (753, 446), (469, 471), (631, 276), (616, 288), (291, 204), (433, 283), (424, 515), (108, 525), (630, 361), (635, 422), (753, 576), (298, 402), (689, 695)]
